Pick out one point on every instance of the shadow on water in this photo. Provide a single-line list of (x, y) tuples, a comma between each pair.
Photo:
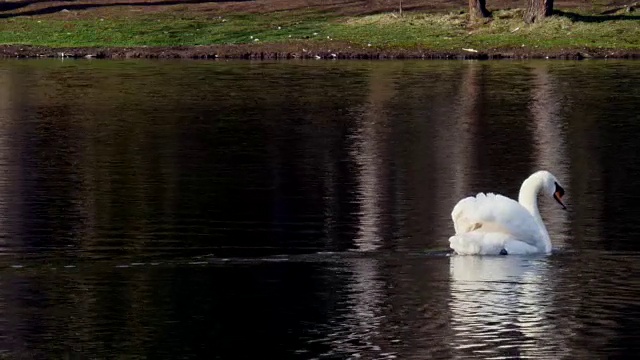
[(376, 163), (157, 209)]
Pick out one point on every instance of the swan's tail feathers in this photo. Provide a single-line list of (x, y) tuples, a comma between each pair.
[(478, 243)]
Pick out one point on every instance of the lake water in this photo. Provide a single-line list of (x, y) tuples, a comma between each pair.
[(225, 210)]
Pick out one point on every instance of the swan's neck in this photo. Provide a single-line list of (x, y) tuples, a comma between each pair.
[(528, 198)]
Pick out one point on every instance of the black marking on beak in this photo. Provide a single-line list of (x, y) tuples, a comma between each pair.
[(558, 194)]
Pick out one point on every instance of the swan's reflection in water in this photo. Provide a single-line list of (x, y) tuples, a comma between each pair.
[(498, 306)]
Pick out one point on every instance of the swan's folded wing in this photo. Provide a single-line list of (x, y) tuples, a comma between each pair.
[(495, 213)]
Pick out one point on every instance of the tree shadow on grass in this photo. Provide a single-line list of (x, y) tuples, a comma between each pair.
[(594, 18), (9, 6)]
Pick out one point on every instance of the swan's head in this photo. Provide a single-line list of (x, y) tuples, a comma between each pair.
[(551, 187)]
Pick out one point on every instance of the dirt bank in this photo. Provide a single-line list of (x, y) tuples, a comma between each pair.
[(300, 51)]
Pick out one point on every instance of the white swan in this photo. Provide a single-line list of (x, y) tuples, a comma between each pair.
[(490, 224)]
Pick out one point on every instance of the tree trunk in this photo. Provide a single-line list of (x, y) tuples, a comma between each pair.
[(478, 9), (537, 10)]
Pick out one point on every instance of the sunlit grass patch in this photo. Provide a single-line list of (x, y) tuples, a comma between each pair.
[(505, 29)]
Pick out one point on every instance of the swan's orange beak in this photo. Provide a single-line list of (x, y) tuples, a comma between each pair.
[(558, 196)]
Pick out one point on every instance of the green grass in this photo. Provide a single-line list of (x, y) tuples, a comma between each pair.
[(159, 30), (386, 31)]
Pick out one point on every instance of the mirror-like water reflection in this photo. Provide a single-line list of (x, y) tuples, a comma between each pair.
[(302, 209)]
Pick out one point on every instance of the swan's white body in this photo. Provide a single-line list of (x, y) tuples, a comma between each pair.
[(490, 224)]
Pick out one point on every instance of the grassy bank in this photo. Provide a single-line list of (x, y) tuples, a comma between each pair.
[(443, 32)]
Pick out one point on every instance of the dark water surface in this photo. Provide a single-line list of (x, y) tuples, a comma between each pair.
[(234, 210)]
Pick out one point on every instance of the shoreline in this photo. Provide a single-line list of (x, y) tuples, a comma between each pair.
[(302, 50), (293, 29)]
